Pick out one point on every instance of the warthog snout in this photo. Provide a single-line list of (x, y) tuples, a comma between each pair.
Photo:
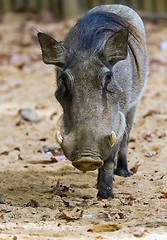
[(87, 163), (83, 162)]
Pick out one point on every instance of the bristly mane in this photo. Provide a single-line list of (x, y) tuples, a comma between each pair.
[(95, 27)]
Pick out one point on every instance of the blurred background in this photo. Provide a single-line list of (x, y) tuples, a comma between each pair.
[(64, 9)]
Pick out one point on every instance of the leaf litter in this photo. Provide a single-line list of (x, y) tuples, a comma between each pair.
[(60, 189), (53, 155), (135, 167), (76, 214), (164, 195), (129, 201), (140, 232)]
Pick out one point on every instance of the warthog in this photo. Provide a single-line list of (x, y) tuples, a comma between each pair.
[(102, 69)]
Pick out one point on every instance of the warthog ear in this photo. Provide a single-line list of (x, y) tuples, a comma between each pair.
[(115, 48), (53, 52)]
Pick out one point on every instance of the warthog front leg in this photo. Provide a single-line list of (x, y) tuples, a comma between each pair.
[(106, 176), (122, 166)]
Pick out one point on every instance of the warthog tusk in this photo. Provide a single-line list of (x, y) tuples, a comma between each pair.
[(112, 137), (58, 137)]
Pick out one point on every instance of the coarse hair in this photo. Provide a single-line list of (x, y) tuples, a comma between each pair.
[(95, 28)]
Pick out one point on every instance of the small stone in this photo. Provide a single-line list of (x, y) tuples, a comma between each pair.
[(163, 45), (48, 148), (29, 115), (150, 154)]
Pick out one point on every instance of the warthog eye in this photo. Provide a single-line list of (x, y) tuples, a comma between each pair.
[(63, 91), (108, 78), (63, 77)]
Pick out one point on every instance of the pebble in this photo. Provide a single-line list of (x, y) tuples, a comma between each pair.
[(29, 115), (163, 45)]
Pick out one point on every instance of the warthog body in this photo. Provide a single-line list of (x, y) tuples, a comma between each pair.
[(102, 69)]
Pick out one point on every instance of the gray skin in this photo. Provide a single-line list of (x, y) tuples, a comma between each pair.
[(99, 89)]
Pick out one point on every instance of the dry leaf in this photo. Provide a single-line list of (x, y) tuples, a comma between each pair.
[(106, 216), (162, 135), (148, 137), (109, 198), (17, 149), (164, 195), (43, 139), (32, 203), (59, 189), (72, 215), (66, 187), (70, 204), (20, 157), (132, 139), (56, 189), (140, 232), (150, 154), (159, 59), (48, 148), (161, 177), (54, 156), (129, 200), (58, 156), (51, 189), (4, 153), (20, 60), (3, 57), (121, 215), (52, 115), (151, 112), (135, 167)]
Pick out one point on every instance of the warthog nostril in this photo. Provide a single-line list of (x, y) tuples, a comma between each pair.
[(87, 164), (96, 164)]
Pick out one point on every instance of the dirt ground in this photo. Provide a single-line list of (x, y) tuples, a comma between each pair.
[(42, 196)]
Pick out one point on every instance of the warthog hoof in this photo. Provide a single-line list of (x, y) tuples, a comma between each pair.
[(123, 172)]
